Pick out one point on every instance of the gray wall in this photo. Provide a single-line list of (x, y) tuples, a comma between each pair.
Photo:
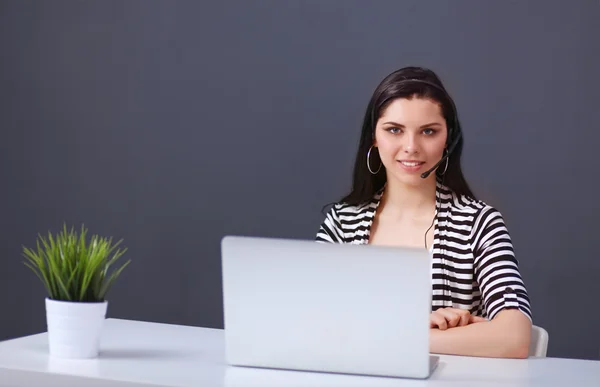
[(173, 123)]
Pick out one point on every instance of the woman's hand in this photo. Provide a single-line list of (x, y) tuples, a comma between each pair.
[(445, 318)]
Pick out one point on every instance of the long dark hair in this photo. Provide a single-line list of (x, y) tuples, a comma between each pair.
[(407, 82)]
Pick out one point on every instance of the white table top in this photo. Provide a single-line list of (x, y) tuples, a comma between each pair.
[(135, 353)]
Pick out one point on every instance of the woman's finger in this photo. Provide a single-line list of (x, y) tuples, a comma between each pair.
[(465, 318), (476, 319), (437, 320), (463, 314), (450, 315)]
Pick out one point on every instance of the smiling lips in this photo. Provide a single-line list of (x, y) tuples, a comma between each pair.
[(411, 165)]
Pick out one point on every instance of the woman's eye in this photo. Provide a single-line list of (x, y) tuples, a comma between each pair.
[(394, 130), (428, 132)]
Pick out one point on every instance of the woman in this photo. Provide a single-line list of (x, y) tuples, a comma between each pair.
[(409, 190)]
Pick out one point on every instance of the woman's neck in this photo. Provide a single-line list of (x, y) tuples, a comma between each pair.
[(400, 200)]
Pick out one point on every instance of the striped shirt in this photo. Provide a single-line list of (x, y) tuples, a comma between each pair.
[(473, 261)]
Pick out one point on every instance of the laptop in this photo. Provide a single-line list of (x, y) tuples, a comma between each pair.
[(336, 308)]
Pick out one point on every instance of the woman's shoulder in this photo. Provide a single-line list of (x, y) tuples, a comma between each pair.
[(357, 209), (346, 222), (460, 202), (476, 210)]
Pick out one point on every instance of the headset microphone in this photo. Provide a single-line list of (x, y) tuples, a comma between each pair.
[(425, 174)]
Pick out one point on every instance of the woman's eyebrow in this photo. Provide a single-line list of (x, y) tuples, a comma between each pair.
[(402, 126)]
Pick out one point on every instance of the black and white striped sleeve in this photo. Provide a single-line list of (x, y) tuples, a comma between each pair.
[(331, 229), (496, 268)]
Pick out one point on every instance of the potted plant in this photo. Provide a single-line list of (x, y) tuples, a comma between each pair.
[(75, 273)]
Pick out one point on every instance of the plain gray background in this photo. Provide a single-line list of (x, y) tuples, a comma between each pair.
[(173, 123)]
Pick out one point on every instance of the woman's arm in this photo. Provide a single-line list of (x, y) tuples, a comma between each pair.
[(495, 267), (507, 335), (503, 293), (331, 228)]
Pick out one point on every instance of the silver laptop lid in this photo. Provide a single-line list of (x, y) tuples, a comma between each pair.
[(305, 305)]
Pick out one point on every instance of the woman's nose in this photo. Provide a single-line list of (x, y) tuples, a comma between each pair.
[(411, 145)]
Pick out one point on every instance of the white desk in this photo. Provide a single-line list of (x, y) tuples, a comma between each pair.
[(135, 353)]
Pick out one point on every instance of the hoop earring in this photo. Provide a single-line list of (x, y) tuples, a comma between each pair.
[(369, 165)]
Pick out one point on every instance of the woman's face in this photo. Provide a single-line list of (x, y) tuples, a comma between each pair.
[(411, 137)]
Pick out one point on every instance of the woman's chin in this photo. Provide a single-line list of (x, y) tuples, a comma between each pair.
[(412, 179)]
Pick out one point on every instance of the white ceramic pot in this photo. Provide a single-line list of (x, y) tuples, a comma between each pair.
[(74, 328)]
